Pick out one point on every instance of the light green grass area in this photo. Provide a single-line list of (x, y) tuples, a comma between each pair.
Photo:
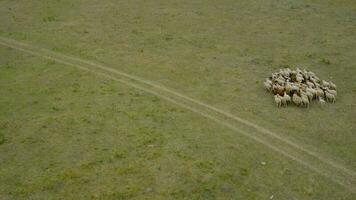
[(71, 134)]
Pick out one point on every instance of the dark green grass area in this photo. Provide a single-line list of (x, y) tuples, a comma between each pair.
[(74, 135)]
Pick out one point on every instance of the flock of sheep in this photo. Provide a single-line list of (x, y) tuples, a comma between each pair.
[(299, 87)]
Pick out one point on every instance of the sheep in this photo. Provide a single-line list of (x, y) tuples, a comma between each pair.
[(317, 85), (268, 86), (313, 80), (284, 72), (332, 85), (300, 87), (274, 76), (309, 95), (330, 97), (288, 87), (305, 74), (310, 84), (333, 92), (321, 101), (277, 100), (294, 87), (319, 92), (305, 99), (268, 81), (299, 78), (312, 90), (311, 74), (286, 98), (280, 80), (298, 71), (277, 89), (297, 99), (325, 83)]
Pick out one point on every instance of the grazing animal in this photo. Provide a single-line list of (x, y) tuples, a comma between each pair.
[(277, 89), (313, 80), (274, 76), (280, 80), (319, 92), (333, 92), (330, 97), (321, 101), (298, 71), (295, 88), (332, 85), (286, 98), (305, 99), (297, 99), (312, 90), (299, 78), (277, 100), (288, 87), (311, 74), (284, 72), (300, 87), (309, 95), (268, 86), (325, 83), (310, 84), (268, 81)]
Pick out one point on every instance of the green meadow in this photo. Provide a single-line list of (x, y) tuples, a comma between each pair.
[(164, 100)]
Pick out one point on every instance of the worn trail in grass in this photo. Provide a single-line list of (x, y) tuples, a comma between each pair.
[(217, 52), (345, 177), (72, 134)]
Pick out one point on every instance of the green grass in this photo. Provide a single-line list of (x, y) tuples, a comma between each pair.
[(66, 133)]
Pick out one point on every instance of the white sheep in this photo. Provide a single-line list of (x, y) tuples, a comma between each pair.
[(330, 97), (299, 78), (309, 95), (319, 92), (321, 101), (268, 81), (286, 98), (332, 85), (325, 83), (277, 100), (300, 87), (310, 84), (311, 74), (312, 90), (305, 99), (268, 86), (294, 87), (284, 72), (298, 70), (280, 80), (333, 92), (297, 99), (313, 80)]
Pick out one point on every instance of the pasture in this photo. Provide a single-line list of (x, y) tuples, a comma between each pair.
[(107, 99)]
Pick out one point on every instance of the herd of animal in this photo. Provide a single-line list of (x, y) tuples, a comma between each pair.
[(300, 87)]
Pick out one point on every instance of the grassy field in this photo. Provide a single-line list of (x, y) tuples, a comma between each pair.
[(69, 133)]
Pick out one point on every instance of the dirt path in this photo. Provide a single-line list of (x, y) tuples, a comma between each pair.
[(309, 159)]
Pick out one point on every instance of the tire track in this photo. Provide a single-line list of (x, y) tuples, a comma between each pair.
[(344, 179), (222, 112)]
